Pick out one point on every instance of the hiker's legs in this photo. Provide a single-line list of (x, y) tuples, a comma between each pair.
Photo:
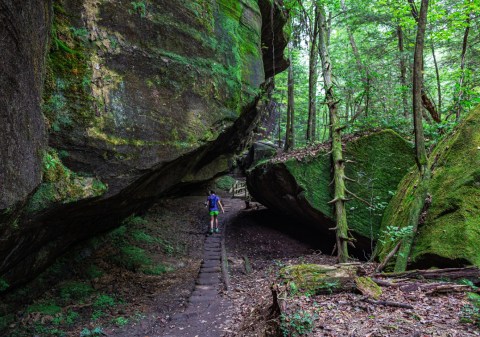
[(216, 221), (211, 222)]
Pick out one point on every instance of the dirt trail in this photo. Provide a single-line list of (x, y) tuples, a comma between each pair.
[(205, 314)]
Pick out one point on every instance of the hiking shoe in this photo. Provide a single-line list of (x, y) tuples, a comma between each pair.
[(210, 231), (216, 230)]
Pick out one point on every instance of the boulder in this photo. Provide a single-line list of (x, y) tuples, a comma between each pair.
[(300, 186), (449, 229)]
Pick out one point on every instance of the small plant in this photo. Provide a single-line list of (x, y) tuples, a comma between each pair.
[(98, 331), (74, 290), (471, 312), (3, 285), (297, 324), (120, 321), (104, 301), (79, 32), (394, 233), (139, 7)]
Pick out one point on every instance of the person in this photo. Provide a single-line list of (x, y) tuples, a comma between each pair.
[(213, 201)]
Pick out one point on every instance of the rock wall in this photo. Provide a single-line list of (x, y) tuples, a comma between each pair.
[(302, 188), (449, 231), (24, 31), (141, 99)]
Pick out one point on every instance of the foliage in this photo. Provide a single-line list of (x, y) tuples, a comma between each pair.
[(374, 27), (140, 7), (225, 182), (104, 301), (471, 312), (120, 321), (3, 285), (95, 332), (74, 290), (298, 323)]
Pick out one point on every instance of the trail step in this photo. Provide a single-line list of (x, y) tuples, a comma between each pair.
[(197, 299), (204, 293), (210, 270)]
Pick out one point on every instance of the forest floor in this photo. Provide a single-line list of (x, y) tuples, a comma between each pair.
[(133, 280)]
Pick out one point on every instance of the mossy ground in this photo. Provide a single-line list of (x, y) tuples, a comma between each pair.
[(379, 161), (451, 229)]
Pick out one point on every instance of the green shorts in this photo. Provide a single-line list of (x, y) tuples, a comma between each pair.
[(212, 213)]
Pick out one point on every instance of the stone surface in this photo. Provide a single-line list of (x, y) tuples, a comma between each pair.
[(24, 31)]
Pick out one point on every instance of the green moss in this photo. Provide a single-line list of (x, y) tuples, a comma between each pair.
[(61, 184), (67, 100), (379, 162), (368, 287), (452, 227)]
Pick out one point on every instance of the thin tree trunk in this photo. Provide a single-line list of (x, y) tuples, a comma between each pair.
[(439, 89), (361, 67), (421, 192), (403, 71), (339, 198), (289, 134), (312, 79), (458, 109)]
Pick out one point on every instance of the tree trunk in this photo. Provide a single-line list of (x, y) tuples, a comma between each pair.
[(339, 198), (421, 192), (439, 89), (361, 67), (403, 71), (312, 79), (430, 106), (289, 134), (458, 108)]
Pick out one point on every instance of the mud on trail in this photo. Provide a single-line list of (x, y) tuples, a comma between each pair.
[(160, 275)]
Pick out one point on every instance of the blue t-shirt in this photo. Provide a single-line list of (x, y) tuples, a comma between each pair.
[(213, 202)]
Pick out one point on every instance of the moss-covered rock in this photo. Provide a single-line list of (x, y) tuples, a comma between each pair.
[(302, 188), (449, 233)]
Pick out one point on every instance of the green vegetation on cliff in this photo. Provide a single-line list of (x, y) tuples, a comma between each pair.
[(451, 229), (62, 185)]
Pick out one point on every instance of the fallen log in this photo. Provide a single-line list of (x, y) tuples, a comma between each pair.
[(469, 273)]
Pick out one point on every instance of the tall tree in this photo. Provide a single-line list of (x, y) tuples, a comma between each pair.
[(340, 191), (403, 70), (420, 152), (312, 69), (290, 130), (458, 105), (361, 67)]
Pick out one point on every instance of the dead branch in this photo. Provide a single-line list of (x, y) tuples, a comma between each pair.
[(388, 257), (357, 197)]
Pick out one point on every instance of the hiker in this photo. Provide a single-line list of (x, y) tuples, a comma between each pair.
[(213, 201)]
